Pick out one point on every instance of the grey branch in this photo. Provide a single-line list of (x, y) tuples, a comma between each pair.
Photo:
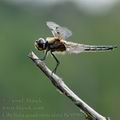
[(90, 113)]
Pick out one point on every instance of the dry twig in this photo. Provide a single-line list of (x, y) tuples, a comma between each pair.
[(90, 113)]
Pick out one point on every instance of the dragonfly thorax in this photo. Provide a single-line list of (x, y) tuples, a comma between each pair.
[(40, 44)]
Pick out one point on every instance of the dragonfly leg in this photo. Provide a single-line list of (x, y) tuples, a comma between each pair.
[(44, 57), (55, 69)]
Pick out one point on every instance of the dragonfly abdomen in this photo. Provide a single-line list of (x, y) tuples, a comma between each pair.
[(99, 48), (78, 48)]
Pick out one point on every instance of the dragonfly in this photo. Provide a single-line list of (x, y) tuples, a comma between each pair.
[(58, 44)]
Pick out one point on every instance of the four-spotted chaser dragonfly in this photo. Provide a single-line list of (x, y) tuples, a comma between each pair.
[(58, 43)]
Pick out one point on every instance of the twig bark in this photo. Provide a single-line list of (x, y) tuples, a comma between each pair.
[(90, 113)]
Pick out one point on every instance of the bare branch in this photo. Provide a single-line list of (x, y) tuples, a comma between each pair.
[(90, 113)]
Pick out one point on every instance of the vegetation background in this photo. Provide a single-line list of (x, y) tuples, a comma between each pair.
[(26, 93)]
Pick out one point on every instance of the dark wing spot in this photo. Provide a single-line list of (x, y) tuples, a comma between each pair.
[(58, 32)]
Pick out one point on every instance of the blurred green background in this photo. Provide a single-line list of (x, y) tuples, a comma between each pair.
[(26, 93)]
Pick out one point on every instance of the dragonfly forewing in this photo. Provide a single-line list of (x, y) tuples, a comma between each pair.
[(58, 31)]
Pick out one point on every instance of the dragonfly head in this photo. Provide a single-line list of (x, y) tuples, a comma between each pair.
[(40, 44)]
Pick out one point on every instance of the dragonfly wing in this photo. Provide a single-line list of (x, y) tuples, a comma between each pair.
[(73, 47), (64, 32), (78, 48), (53, 26), (58, 31)]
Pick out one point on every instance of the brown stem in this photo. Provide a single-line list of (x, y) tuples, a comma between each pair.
[(89, 112)]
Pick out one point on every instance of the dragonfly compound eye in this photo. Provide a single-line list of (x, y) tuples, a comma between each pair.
[(40, 44)]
